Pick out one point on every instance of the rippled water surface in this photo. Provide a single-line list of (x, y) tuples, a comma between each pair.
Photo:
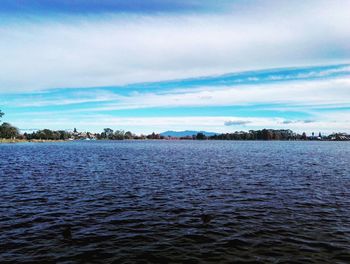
[(167, 201)]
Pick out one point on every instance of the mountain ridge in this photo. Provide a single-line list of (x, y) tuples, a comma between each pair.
[(185, 133)]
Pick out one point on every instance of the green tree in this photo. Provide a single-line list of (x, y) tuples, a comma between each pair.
[(107, 133), (63, 135), (119, 134), (200, 136), (47, 134), (128, 135), (8, 131)]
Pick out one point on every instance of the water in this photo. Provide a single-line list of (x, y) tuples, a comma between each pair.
[(127, 202)]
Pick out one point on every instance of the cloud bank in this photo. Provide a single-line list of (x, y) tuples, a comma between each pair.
[(114, 49)]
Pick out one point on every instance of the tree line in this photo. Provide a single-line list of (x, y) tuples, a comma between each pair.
[(110, 134), (264, 134)]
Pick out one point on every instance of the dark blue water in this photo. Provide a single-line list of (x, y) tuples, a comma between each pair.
[(184, 202)]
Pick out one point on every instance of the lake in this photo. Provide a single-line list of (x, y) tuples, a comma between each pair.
[(175, 201)]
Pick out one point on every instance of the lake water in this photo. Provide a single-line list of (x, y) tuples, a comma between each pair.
[(151, 201)]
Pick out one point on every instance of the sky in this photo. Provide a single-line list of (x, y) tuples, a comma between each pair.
[(157, 65)]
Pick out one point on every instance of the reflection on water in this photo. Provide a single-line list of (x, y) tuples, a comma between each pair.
[(159, 202)]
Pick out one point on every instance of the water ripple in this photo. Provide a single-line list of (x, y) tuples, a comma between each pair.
[(162, 202)]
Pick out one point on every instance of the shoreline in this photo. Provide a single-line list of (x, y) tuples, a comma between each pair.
[(13, 141)]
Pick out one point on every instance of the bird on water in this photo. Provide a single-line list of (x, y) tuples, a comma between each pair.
[(67, 233), (206, 218)]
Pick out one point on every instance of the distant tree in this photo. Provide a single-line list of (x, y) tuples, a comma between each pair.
[(303, 136), (75, 130), (151, 136), (119, 134), (1, 115), (47, 134), (266, 134), (107, 133), (200, 136), (128, 135), (154, 136), (8, 131)]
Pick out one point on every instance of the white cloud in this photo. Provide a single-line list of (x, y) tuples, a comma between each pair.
[(304, 94), (34, 100), (92, 51)]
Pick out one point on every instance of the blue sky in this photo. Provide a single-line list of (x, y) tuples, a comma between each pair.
[(158, 65)]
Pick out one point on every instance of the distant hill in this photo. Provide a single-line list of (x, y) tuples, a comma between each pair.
[(185, 133)]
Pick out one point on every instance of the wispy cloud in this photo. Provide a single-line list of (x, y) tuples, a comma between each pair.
[(287, 122), (74, 98), (308, 93), (282, 78), (237, 123)]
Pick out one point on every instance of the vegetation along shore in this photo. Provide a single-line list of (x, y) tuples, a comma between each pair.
[(11, 134)]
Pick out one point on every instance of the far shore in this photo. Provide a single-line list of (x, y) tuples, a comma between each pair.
[(14, 141), (5, 140)]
